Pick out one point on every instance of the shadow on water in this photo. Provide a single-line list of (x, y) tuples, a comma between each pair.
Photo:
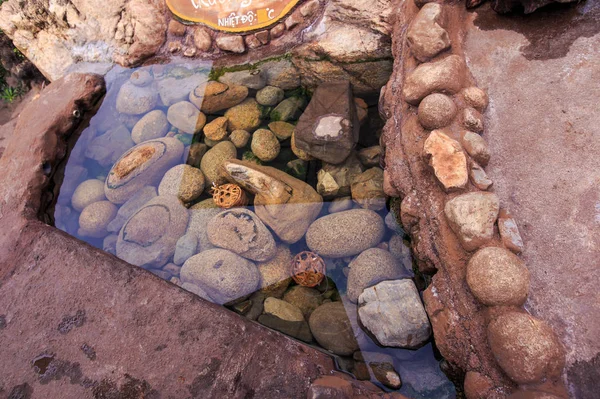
[(165, 237)]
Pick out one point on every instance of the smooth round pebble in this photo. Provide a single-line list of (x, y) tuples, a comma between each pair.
[(345, 233), (436, 111), (152, 126), (525, 347), (214, 158), (87, 193), (240, 138), (476, 98), (265, 145), (497, 277), (269, 95), (332, 329), (222, 274), (182, 181), (95, 218)]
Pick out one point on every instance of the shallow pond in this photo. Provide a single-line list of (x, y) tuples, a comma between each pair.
[(217, 188)]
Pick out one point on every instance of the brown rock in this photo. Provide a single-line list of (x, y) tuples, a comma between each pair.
[(328, 129), (525, 347), (202, 39), (445, 76), (476, 98), (336, 180), (263, 36), (287, 205), (265, 145), (472, 217), (195, 154), (367, 189), (217, 129), (231, 43), (479, 178), (447, 159), (472, 120), (425, 36), (476, 147), (436, 111), (371, 156), (306, 299), (303, 155), (176, 28), (240, 138), (252, 42), (214, 159), (212, 97), (282, 130), (278, 30), (477, 386), (244, 116), (509, 233), (497, 277), (183, 181)]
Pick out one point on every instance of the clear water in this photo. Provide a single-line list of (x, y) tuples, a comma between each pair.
[(92, 158)]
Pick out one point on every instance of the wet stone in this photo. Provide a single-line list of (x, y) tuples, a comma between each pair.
[(152, 126), (107, 148), (371, 267), (217, 129), (241, 231), (304, 298), (213, 160), (371, 156), (149, 237), (94, 219), (345, 233), (328, 129), (275, 274), (336, 180), (136, 100), (341, 204), (244, 116), (240, 138), (282, 310), (282, 130), (126, 210), (288, 110), (223, 275), (265, 145), (296, 329), (143, 165), (182, 181), (186, 117), (269, 96), (186, 247), (472, 217), (332, 329), (87, 193), (393, 313), (212, 97), (367, 189)]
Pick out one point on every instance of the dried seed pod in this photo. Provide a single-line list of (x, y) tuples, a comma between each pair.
[(229, 196), (308, 269)]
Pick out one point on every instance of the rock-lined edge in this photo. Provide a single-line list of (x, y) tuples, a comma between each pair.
[(445, 74)]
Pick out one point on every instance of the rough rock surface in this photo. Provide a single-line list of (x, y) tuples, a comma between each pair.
[(426, 37), (392, 311), (447, 159), (57, 36), (241, 231), (472, 217)]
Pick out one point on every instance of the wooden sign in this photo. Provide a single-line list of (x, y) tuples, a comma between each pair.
[(232, 15)]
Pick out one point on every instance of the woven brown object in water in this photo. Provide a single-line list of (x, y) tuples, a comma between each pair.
[(229, 195), (308, 269)]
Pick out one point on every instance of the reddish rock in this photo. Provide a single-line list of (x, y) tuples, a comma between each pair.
[(525, 347), (447, 159)]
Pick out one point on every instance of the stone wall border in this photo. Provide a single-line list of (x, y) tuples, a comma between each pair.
[(441, 127)]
